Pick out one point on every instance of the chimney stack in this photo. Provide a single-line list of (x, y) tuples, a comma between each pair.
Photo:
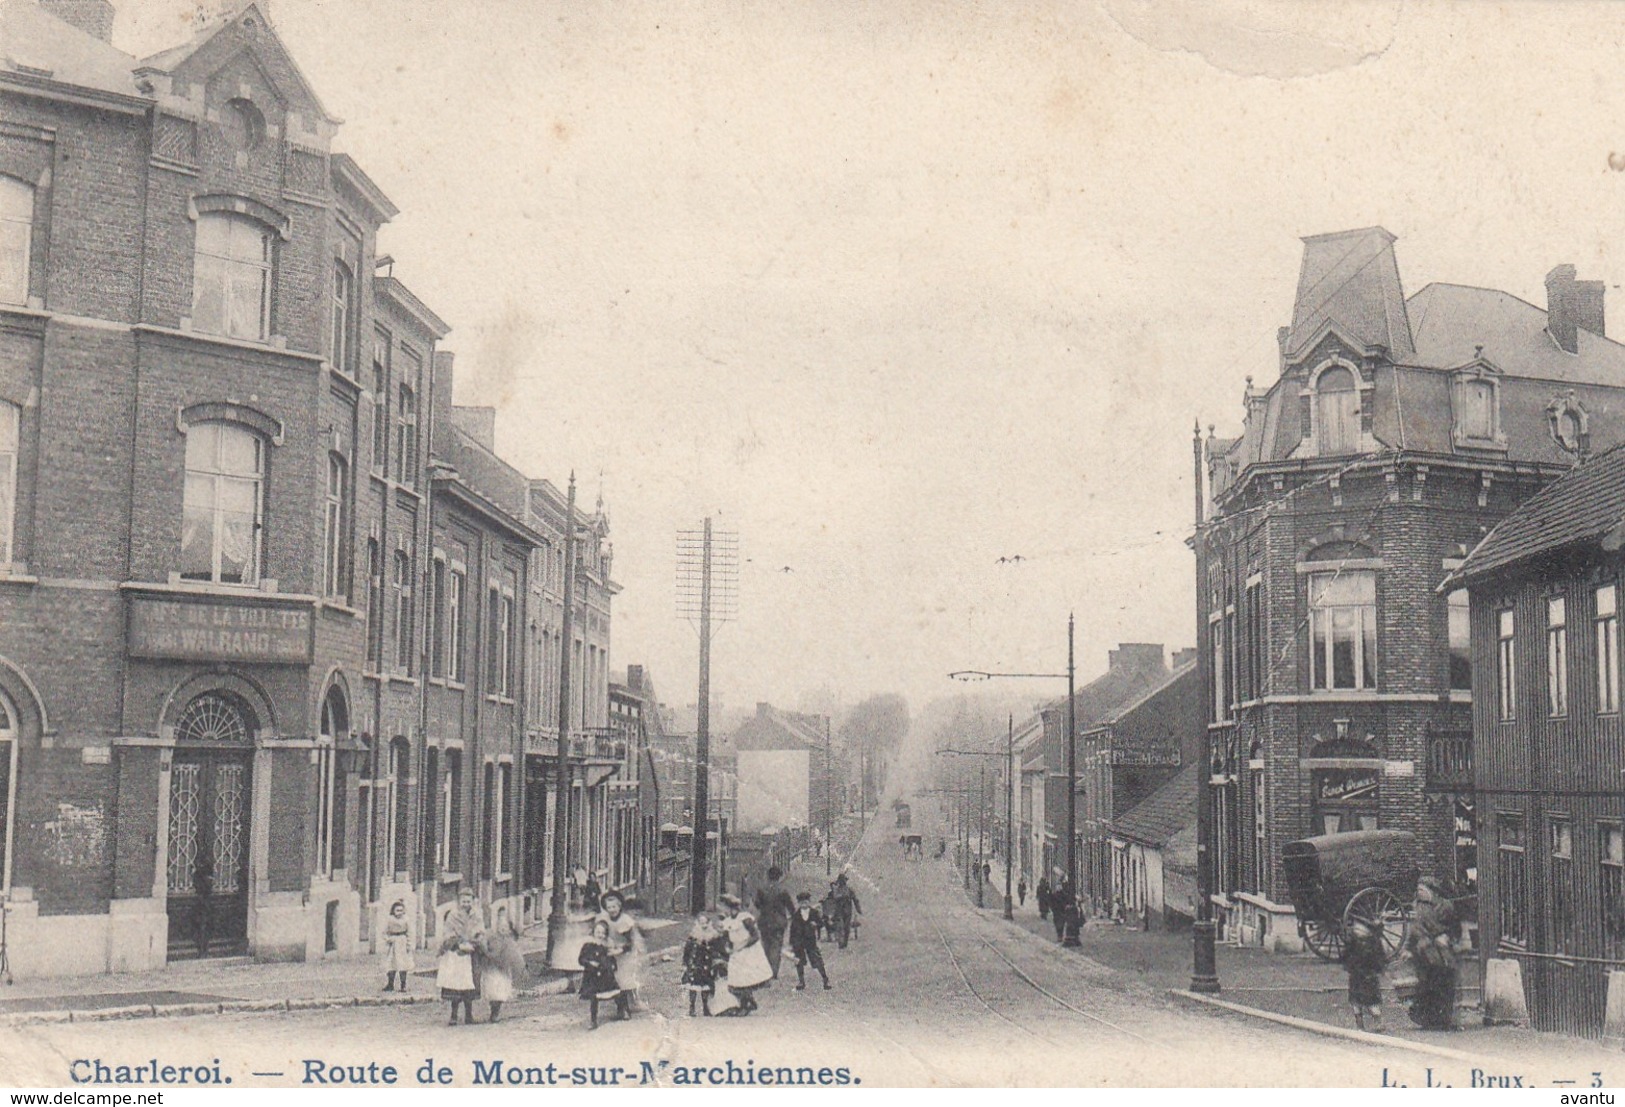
[(1135, 655), (1572, 306), (94, 17)]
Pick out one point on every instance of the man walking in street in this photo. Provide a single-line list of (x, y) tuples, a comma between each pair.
[(773, 910), (1044, 902)]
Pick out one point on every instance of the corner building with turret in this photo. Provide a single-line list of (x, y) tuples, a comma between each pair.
[(1337, 675)]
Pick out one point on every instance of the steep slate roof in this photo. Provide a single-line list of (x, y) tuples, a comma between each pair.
[(1155, 820), (773, 729), (1452, 319), (1349, 284), (1587, 505), (1350, 280), (34, 38), (1121, 710)]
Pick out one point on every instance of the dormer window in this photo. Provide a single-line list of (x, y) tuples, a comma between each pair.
[(1337, 403), (1475, 396)]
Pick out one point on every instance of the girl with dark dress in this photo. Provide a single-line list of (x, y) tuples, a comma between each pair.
[(598, 972), (699, 964), (1364, 957)]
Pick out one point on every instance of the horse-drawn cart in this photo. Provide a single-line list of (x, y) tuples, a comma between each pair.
[(1334, 878)]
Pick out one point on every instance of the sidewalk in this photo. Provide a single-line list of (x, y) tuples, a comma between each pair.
[(225, 985), (1298, 987)]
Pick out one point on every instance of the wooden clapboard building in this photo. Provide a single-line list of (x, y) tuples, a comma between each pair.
[(1549, 745)]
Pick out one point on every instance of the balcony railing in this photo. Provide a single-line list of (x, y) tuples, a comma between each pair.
[(1450, 760)]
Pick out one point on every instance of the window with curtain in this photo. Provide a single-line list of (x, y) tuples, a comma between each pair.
[(1605, 634), (1557, 656), (11, 421), (343, 291), (401, 584), (333, 538), (231, 277), (16, 239), (222, 510), (1343, 629)]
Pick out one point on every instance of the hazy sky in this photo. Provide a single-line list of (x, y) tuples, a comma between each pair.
[(898, 289)]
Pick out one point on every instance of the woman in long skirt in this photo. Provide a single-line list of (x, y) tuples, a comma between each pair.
[(626, 943), (464, 936), (748, 969)]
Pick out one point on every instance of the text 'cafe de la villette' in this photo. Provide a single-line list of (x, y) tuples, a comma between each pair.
[(280, 634)]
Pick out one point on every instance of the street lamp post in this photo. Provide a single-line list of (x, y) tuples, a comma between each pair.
[(1009, 814), (1070, 932), (1204, 955)]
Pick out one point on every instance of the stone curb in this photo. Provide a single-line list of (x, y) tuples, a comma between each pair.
[(559, 986), (249, 1006), (1365, 1037)]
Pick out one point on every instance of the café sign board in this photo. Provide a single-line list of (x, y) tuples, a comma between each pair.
[(216, 629), (1146, 756)]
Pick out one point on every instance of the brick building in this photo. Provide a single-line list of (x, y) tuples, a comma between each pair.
[(1399, 430), (1127, 753), (262, 588)]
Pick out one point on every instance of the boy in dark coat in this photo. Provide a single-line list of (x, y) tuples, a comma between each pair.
[(1043, 892), (804, 927)]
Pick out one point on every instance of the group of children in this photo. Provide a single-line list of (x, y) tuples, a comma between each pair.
[(727, 961)]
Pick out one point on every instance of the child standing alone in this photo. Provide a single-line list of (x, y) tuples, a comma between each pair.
[(598, 972), (1364, 958), (397, 946), (699, 964)]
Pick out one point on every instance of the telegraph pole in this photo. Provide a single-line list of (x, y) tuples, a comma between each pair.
[(702, 738), (1205, 966), (556, 918), (1070, 931), (1009, 813), (707, 591), (981, 834), (829, 811)]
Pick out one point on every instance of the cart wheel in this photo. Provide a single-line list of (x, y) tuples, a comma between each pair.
[(1326, 939), (1391, 915)]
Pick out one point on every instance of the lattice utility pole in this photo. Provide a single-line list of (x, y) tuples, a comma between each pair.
[(707, 594)]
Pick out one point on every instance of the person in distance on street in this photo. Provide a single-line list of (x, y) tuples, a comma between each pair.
[(1043, 893), (804, 927)]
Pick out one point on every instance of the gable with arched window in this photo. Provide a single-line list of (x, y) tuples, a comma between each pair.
[(16, 239)]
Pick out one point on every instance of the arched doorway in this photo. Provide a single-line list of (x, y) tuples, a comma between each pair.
[(207, 858)]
